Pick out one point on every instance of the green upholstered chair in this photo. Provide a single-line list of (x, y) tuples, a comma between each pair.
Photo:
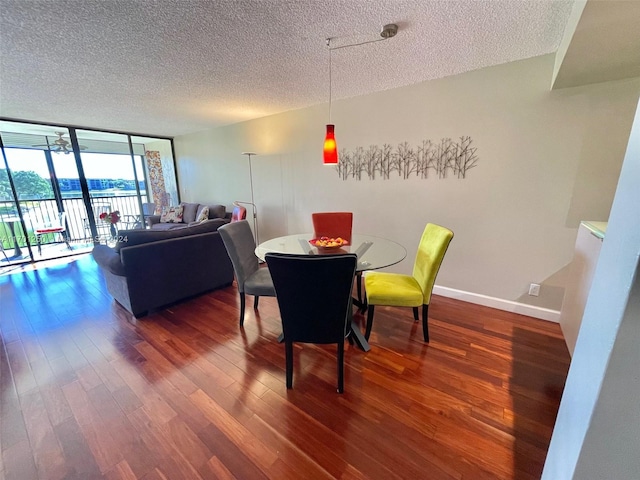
[(398, 290)]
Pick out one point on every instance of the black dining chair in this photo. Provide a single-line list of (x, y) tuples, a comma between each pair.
[(314, 296), (250, 277)]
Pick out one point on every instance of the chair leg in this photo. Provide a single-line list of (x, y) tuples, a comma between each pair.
[(38, 240), (425, 322), (255, 302), (359, 286), (367, 332), (242, 303), (415, 314), (65, 237), (288, 352), (341, 367)]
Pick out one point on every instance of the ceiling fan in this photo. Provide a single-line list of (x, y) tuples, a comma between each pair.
[(60, 144)]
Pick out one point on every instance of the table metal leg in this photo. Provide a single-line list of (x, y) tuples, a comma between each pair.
[(354, 331), (357, 336)]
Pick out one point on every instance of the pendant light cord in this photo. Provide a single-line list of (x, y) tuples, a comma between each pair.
[(351, 45), (354, 44), (329, 45)]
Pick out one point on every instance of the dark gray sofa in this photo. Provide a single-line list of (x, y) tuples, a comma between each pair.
[(150, 269)]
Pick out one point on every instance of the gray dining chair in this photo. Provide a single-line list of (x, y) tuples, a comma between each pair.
[(250, 277)]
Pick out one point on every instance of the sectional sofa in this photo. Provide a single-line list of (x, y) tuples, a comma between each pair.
[(150, 269)]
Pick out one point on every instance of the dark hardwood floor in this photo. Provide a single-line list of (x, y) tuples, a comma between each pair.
[(185, 394)]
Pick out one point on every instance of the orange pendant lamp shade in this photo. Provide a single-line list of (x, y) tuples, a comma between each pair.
[(330, 147)]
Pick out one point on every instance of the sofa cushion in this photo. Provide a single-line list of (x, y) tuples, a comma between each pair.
[(171, 215), (189, 211), (129, 238), (167, 226)]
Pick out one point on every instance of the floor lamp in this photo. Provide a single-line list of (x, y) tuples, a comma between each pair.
[(252, 202)]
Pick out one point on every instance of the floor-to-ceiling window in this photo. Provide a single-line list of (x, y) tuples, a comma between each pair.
[(55, 182)]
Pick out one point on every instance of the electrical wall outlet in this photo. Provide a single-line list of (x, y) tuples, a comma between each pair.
[(534, 289)]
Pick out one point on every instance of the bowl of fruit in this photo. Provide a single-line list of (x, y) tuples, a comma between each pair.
[(328, 243)]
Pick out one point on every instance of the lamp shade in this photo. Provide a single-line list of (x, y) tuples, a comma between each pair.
[(330, 147)]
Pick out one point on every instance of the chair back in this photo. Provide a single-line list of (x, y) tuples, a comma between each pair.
[(100, 208), (433, 245), (238, 240), (333, 224), (238, 213), (53, 224), (314, 295), (148, 208)]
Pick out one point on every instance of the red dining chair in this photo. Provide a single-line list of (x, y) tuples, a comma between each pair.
[(336, 224), (333, 224)]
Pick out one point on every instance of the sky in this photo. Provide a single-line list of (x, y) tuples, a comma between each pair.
[(96, 165)]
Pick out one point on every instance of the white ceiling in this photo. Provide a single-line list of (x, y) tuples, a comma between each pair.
[(170, 67)]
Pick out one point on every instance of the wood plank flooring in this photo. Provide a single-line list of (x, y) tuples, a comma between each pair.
[(87, 393)]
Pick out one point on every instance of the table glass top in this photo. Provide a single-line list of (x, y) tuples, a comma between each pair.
[(373, 252)]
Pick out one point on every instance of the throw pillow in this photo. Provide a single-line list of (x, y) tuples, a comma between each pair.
[(217, 211), (204, 215), (171, 215)]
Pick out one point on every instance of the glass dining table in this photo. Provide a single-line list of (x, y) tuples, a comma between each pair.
[(373, 253)]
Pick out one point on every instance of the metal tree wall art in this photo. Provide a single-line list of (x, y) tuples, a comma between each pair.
[(429, 159)]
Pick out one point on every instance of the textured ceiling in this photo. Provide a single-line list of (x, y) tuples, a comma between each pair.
[(169, 67)]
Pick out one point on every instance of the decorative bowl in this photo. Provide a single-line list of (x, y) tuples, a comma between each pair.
[(327, 243)]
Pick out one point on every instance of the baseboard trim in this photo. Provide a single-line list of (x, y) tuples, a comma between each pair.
[(500, 304)]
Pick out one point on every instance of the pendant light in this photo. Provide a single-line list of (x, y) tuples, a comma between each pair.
[(330, 146)]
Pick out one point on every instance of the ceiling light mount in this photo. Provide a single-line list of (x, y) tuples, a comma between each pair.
[(389, 31)]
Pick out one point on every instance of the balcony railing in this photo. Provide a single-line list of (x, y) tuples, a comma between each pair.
[(38, 212)]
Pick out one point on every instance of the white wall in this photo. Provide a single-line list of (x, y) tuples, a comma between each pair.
[(597, 431), (547, 159)]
